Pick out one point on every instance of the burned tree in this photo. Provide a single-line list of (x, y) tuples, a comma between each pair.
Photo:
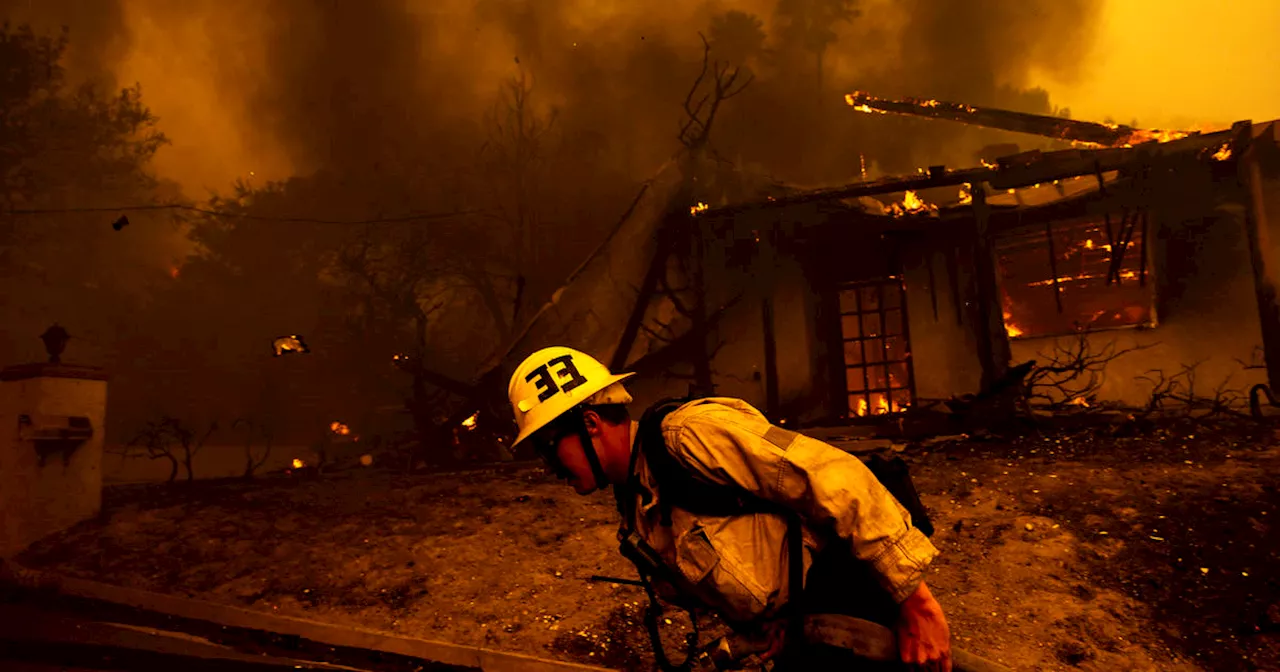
[(710, 93), (680, 249), (515, 158), (1071, 375), (1177, 394), (400, 274), (252, 461), (171, 439)]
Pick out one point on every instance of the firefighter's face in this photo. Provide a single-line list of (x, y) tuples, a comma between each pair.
[(576, 468), (561, 447)]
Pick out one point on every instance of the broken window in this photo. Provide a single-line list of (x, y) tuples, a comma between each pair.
[(1068, 276), (877, 355)]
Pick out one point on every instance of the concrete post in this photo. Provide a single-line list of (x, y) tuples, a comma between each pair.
[(51, 433)]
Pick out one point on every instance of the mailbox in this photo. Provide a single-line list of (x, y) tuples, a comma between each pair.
[(54, 434)]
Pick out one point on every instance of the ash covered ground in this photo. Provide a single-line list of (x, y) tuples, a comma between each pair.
[(1062, 551)]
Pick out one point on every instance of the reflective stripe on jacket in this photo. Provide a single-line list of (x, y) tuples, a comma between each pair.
[(738, 564)]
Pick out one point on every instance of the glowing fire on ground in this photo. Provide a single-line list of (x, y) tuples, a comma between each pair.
[(700, 207), (339, 428), (470, 422), (298, 464)]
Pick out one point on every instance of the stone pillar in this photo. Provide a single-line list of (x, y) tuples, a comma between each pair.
[(51, 433)]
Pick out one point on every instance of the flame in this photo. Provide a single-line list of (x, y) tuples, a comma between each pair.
[(298, 464), (1223, 153), (1088, 244), (862, 159), (929, 103), (988, 164), (1078, 401), (862, 406), (1124, 275), (339, 428), (1010, 328), (966, 194), (698, 208), (882, 404), (911, 204), (1140, 136), (912, 201), (470, 422)]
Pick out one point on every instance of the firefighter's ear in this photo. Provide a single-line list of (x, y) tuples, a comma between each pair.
[(593, 423)]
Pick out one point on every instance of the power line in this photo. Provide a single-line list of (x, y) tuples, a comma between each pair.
[(239, 215)]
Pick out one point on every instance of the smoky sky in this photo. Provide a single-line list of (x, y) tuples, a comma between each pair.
[(293, 86)]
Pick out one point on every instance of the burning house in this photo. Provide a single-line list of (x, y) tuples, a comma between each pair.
[(1144, 254)]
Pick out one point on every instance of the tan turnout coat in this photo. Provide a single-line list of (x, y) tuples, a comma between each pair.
[(739, 564)]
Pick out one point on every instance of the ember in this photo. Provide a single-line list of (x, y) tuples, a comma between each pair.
[(339, 428), (470, 422), (298, 464), (698, 208)]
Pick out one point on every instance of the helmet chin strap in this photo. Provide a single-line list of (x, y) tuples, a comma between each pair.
[(589, 448)]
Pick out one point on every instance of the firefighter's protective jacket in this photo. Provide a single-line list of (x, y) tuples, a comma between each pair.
[(738, 564)]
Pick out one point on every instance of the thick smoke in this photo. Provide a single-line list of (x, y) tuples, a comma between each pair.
[(100, 36), (293, 86)]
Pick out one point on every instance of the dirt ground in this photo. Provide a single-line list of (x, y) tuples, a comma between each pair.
[(1060, 552)]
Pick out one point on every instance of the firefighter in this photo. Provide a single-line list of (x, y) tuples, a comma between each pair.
[(753, 496)]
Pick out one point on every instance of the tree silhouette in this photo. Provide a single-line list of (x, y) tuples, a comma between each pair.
[(736, 37), (809, 25), (515, 160)]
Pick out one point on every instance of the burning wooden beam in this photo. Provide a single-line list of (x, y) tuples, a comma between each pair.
[(1087, 132)]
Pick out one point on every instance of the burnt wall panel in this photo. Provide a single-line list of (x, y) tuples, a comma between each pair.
[(937, 270)]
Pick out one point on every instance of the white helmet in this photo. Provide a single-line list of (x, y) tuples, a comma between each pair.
[(554, 380)]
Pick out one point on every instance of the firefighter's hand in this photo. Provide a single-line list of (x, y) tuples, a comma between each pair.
[(924, 640), (775, 634)]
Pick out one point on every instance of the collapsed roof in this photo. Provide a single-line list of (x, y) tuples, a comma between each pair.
[(591, 310)]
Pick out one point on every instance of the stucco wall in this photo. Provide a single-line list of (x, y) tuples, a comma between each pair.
[(37, 500), (943, 345), (1206, 303)]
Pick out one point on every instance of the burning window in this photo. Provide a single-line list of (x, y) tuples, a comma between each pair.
[(876, 352), (1075, 275)]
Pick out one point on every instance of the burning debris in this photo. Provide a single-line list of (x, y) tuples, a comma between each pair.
[(470, 422), (699, 207), (1082, 132), (1223, 153), (287, 344), (911, 204)]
